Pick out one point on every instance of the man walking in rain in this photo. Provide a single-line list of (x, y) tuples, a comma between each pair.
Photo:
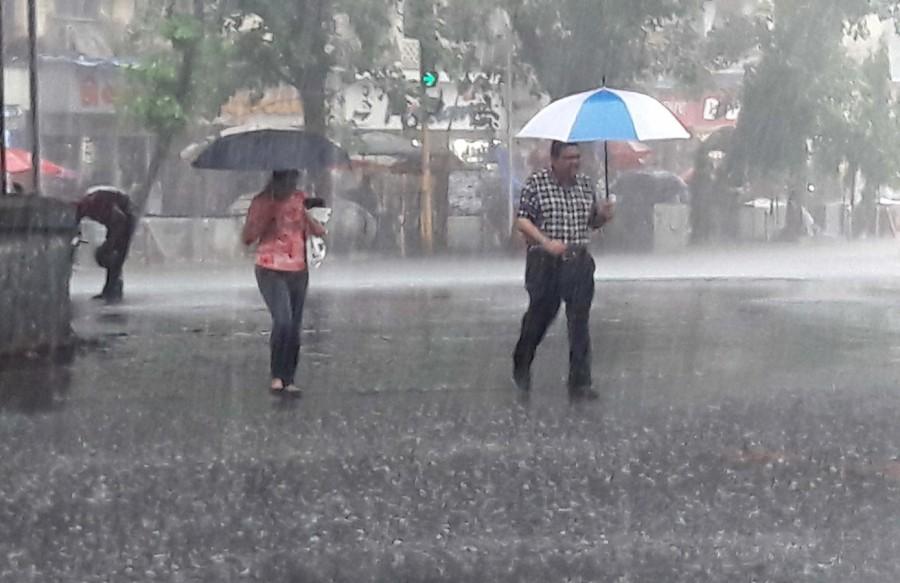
[(557, 211)]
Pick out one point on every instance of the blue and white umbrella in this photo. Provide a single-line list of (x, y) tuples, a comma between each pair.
[(607, 115)]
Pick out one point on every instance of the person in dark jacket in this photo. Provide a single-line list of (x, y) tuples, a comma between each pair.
[(112, 208)]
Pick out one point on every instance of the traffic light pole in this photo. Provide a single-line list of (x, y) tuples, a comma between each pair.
[(4, 184), (426, 202), (427, 79), (33, 86), (510, 139)]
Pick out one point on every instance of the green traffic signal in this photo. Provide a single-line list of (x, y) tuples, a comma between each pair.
[(429, 79)]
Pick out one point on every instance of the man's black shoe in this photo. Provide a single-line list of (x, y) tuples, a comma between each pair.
[(522, 380), (585, 393)]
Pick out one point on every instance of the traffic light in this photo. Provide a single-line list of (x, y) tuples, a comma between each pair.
[(429, 79)]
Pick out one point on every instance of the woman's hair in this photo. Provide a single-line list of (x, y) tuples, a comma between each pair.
[(285, 175), (280, 177)]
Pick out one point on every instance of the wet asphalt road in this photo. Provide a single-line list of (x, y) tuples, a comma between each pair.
[(747, 432)]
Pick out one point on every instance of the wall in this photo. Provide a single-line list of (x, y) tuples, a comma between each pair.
[(35, 267), (671, 227)]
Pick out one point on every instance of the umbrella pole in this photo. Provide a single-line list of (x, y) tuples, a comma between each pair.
[(606, 166)]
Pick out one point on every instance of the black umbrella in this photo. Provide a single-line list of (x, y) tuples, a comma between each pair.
[(651, 187), (260, 148)]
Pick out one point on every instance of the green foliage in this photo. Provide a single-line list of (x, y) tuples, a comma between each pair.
[(163, 95), (572, 45), (735, 39), (806, 91), (181, 30), (294, 43), (151, 98)]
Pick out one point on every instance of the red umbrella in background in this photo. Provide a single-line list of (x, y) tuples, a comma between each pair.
[(19, 161), (628, 155)]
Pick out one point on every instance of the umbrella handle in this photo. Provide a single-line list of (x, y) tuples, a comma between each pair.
[(606, 165)]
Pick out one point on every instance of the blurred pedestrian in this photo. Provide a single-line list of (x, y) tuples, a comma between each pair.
[(557, 210), (277, 222), (112, 208)]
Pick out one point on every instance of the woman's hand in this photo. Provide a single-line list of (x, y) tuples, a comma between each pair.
[(315, 227)]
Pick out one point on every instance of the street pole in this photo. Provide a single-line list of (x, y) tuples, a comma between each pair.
[(510, 189), (3, 178), (33, 87), (426, 223), (427, 79)]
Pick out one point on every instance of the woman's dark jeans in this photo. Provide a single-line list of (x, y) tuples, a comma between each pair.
[(284, 293)]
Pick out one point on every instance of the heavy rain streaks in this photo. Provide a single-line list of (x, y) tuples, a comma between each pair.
[(403, 189)]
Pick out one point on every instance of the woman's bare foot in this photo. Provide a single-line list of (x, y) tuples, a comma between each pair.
[(277, 385)]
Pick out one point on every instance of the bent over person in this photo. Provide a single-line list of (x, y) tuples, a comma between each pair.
[(557, 211), (112, 208)]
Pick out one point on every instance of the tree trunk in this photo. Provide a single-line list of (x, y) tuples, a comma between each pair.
[(315, 119), (311, 82), (865, 212), (852, 177), (164, 140), (315, 107)]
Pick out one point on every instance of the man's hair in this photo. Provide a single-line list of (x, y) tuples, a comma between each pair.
[(557, 147)]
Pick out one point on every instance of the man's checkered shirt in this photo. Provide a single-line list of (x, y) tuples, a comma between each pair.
[(560, 212)]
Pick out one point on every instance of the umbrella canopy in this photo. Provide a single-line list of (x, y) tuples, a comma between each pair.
[(628, 155), (607, 115), (651, 187), (266, 148)]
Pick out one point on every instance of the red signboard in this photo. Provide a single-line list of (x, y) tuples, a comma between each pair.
[(96, 93), (705, 115)]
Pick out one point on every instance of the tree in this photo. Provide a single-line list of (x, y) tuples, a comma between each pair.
[(318, 46), (573, 45), (299, 44), (808, 103), (321, 46), (860, 133), (184, 76)]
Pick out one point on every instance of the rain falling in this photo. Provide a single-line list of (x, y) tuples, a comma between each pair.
[(442, 291)]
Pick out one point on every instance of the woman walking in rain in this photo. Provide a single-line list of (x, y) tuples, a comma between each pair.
[(278, 223)]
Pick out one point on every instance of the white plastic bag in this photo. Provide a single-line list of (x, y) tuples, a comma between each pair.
[(316, 250)]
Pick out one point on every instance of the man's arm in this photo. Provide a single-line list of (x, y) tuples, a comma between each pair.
[(602, 210), (529, 211), (603, 213), (532, 233)]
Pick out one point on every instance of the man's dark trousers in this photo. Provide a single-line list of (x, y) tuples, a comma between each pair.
[(114, 255), (551, 280)]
